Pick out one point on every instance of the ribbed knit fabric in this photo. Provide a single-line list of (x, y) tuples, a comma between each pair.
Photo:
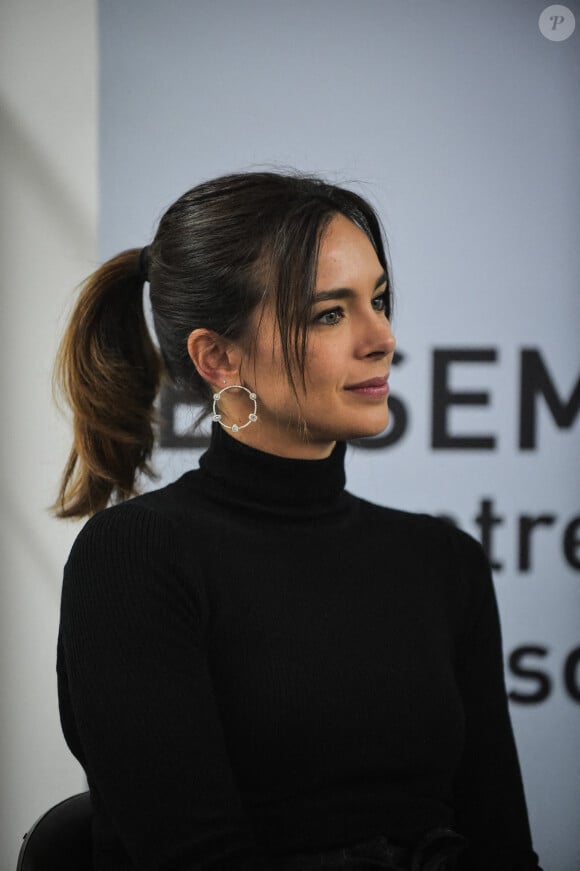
[(253, 662)]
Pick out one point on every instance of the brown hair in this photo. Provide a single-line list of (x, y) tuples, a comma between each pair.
[(220, 249)]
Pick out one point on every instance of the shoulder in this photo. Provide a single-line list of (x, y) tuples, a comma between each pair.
[(150, 520), (422, 527), (133, 544), (135, 523), (433, 548), (128, 582)]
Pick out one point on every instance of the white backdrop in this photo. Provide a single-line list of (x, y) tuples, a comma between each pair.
[(459, 120)]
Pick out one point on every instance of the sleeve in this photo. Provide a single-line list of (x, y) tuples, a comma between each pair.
[(133, 626), (489, 797)]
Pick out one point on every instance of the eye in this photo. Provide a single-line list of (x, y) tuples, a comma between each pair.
[(331, 317), (381, 303)]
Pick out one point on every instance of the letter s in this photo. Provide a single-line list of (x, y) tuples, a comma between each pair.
[(518, 667)]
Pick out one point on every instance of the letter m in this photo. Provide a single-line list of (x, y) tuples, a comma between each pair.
[(536, 381)]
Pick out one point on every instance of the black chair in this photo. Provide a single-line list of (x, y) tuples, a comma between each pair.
[(59, 840)]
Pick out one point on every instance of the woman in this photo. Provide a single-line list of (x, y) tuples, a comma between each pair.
[(258, 670)]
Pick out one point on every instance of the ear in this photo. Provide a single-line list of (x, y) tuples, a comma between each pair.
[(216, 359)]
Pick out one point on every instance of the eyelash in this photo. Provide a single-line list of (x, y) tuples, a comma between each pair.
[(383, 298)]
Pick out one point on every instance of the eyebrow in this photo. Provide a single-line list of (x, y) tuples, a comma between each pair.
[(345, 292)]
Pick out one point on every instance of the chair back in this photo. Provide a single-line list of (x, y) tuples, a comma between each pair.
[(60, 839)]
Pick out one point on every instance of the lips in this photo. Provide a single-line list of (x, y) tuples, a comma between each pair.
[(372, 383), (374, 387)]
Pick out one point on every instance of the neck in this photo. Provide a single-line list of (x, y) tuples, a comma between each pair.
[(254, 479)]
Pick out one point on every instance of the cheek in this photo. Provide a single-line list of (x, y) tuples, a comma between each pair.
[(265, 365), (269, 379), (323, 373), (325, 367)]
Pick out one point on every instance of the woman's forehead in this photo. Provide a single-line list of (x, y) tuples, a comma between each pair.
[(346, 257)]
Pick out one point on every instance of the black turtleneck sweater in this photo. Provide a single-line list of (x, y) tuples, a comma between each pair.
[(254, 662)]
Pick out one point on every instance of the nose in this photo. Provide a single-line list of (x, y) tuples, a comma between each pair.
[(377, 339)]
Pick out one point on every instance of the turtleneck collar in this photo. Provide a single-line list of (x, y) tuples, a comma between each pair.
[(240, 474)]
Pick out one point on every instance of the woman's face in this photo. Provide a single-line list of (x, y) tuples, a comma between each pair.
[(349, 352)]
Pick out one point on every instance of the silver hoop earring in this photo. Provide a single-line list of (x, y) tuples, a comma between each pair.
[(252, 417)]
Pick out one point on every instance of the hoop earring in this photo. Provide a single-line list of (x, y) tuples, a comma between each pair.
[(252, 417)]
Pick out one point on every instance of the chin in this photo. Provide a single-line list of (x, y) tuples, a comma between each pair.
[(343, 425), (361, 428)]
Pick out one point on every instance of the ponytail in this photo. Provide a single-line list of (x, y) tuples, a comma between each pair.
[(109, 371)]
